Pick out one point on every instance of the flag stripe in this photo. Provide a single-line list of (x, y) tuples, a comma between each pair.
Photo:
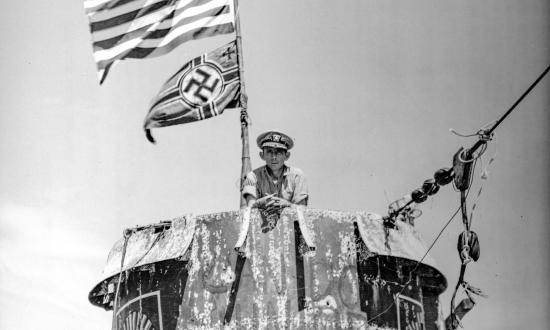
[(90, 5), (166, 97), (181, 29), (169, 90), (158, 33), (207, 111), (127, 17), (230, 76), (130, 50), (147, 28), (184, 68), (108, 12), (193, 35), (180, 117), (161, 18), (173, 118), (188, 30), (198, 60)]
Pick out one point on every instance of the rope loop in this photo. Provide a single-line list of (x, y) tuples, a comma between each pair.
[(462, 155), (485, 135), (465, 255)]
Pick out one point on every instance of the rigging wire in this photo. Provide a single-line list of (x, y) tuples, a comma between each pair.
[(478, 133), (484, 176), (417, 265), (501, 119), (431, 245), (485, 135), (126, 235), (465, 254)]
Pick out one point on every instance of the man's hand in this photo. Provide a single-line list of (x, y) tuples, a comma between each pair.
[(262, 202), (276, 204), (271, 204)]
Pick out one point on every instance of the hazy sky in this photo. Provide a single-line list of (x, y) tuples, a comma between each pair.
[(369, 90)]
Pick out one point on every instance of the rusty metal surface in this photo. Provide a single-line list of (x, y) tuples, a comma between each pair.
[(146, 246), (268, 294), (402, 242), (280, 281)]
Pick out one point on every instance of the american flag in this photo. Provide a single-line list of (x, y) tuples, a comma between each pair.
[(148, 28)]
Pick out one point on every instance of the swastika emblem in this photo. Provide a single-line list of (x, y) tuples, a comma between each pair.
[(201, 85)]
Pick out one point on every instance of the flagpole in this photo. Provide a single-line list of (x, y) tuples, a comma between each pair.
[(245, 156)]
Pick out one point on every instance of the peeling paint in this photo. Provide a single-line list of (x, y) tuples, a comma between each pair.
[(268, 293)]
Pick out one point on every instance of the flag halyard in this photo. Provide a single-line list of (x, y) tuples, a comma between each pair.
[(203, 88), (148, 28)]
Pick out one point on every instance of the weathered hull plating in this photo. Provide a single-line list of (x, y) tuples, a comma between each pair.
[(189, 276)]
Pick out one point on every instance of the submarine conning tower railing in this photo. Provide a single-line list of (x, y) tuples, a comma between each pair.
[(186, 273)]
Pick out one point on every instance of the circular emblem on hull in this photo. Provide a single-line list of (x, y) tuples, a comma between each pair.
[(201, 85)]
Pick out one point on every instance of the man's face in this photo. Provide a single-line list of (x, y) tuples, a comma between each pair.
[(274, 157)]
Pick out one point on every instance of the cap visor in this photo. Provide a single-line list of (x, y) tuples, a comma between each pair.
[(274, 145)]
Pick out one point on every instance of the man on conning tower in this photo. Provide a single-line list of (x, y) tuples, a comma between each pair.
[(273, 187)]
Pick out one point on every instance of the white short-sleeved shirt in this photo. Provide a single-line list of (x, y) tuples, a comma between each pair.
[(292, 187)]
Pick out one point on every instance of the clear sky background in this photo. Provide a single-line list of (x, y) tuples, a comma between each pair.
[(369, 90)]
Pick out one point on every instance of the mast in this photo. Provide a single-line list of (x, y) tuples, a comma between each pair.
[(245, 155)]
